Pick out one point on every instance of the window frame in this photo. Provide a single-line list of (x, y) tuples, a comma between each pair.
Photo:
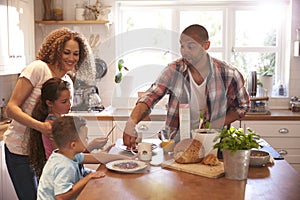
[(282, 49)]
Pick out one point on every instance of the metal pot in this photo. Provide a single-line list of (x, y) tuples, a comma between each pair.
[(236, 166)]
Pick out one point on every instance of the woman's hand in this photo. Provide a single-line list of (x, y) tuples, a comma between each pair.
[(46, 129)]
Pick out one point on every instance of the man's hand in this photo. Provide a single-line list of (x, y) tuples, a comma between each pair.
[(130, 134)]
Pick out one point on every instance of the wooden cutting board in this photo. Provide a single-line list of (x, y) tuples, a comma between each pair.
[(196, 168)]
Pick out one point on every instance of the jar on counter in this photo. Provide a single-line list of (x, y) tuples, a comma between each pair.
[(296, 106)]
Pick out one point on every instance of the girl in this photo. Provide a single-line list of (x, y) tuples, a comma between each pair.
[(55, 101)]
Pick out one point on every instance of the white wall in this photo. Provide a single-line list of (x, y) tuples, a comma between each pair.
[(7, 83)]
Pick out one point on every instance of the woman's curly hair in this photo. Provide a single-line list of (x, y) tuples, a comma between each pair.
[(53, 45), (50, 91)]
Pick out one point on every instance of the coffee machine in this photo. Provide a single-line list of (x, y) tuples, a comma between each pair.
[(259, 104), (86, 98)]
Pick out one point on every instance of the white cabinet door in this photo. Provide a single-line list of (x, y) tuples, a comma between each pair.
[(16, 36), (4, 58), (99, 128), (25, 8), (8, 190), (1, 182)]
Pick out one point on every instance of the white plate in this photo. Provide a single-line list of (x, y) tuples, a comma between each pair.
[(112, 166)]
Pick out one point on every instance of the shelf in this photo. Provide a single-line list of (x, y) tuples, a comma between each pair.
[(52, 22)]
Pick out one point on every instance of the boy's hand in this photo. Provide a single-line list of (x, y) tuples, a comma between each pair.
[(97, 174), (107, 149)]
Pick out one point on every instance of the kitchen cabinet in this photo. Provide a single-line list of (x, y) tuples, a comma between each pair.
[(7, 188), (17, 35), (284, 136), (1, 182), (99, 128)]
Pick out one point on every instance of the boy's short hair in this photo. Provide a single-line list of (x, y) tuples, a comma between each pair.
[(66, 129)]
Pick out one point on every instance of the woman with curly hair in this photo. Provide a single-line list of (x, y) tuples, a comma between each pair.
[(62, 51)]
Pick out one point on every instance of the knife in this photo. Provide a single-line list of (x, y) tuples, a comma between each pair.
[(110, 131)]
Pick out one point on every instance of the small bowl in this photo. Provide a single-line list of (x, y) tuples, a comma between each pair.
[(259, 158)]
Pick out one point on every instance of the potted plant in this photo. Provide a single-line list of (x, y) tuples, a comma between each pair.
[(236, 145), (265, 78)]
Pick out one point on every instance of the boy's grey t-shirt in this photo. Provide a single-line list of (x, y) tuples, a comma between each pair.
[(59, 175)]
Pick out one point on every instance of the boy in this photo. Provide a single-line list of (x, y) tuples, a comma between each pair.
[(61, 177)]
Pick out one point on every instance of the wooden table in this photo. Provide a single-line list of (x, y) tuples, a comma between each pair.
[(277, 182)]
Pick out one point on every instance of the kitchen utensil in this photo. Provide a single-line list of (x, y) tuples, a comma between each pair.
[(196, 168), (108, 134), (91, 40), (252, 83), (101, 68), (259, 98), (259, 158), (95, 41)]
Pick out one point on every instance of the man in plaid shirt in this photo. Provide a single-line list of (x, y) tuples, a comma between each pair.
[(197, 79)]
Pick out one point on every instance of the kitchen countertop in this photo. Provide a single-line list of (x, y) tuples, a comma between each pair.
[(278, 181), (275, 115), (122, 114)]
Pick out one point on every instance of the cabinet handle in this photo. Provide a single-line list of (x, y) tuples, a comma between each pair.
[(143, 127), (283, 152), (283, 130)]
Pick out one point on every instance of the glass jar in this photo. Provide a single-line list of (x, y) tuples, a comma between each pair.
[(296, 106), (57, 9), (79, 12)]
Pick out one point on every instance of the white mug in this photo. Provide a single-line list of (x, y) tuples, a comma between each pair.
[(144, 151)]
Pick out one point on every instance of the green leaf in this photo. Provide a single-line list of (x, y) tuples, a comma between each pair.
[(118, 77), (236, 139), (120, 64)]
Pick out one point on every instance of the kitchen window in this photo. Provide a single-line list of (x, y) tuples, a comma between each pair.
[(249, 35)]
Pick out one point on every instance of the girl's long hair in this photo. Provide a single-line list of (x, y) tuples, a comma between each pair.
[(50, 91)]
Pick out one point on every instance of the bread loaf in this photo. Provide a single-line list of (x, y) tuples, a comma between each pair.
[(188, 151), (211, 160)]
